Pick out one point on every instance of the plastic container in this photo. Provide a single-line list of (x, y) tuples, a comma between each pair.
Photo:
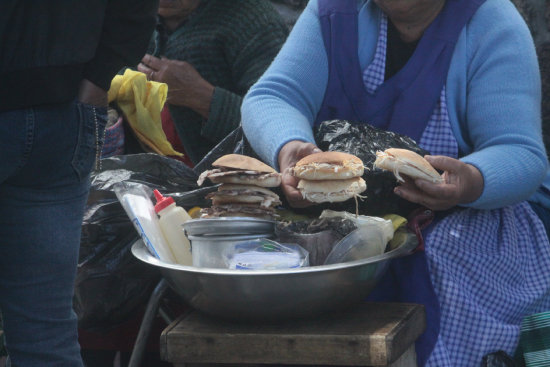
[(264, 254), (139, 207), (213, 251), (171, 219)]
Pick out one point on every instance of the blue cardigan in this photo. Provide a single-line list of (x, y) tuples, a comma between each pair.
[(493, 97)]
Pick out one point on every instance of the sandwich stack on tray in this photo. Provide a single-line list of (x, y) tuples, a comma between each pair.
[(330, 177), (244, 189)]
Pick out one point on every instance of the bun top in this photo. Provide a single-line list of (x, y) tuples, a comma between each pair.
[(337, 158), (242, 162), (413, 158)]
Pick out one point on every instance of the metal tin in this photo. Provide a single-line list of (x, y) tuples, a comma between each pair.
[(212, 251), (228, 226)]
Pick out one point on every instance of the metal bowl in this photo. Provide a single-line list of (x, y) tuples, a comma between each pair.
[(275, 294)]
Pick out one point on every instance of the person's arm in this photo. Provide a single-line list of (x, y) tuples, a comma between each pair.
[(127, 29), (282, 105), (503, 108)]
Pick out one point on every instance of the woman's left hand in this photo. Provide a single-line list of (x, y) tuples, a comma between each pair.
[(186, 87), (463, 183)]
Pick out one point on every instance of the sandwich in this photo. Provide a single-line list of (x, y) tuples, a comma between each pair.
[(407, 163), (241, 169), (239, 210), (328, 166), (331, 191), (330, 177), (244, 188), (244, 194)]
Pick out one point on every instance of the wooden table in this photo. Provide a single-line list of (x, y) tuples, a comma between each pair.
[(371, 334)]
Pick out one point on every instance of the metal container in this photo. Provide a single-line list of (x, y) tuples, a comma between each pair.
[(211, 251), (228, 226), (275, 294)]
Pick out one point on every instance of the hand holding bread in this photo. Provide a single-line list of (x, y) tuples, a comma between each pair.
[(460, 183)]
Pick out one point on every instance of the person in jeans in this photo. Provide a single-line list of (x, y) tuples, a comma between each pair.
[(57, 59)]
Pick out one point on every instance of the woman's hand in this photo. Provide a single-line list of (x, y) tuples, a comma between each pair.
[(186, 87), (463, 183), (289, 154)]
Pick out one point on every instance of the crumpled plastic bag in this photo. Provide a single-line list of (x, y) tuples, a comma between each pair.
[(111, 283), (141, 102), (363, 140), (317, 236), (499, 359), (265, 254)]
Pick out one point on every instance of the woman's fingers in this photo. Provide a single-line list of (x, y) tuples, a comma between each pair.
[(289, 154)]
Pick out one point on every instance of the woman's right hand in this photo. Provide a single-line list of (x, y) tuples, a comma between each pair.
[(289, 154)]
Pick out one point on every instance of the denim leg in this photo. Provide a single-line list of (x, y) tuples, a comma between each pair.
[(44, 184)]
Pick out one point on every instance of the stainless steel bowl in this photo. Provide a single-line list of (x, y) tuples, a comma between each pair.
[(275, 294)]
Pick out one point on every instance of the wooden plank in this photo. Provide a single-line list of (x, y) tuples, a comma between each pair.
[(407, 359), (372, 334)]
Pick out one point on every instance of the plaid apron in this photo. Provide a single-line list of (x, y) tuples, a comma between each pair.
[(488, 268)]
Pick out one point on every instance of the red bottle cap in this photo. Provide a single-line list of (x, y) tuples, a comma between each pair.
[(162, 202)]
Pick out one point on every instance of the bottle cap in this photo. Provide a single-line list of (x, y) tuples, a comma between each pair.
[(162, 202)]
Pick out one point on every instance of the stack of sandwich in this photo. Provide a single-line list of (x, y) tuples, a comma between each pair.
[(330, 177), (245, 188)]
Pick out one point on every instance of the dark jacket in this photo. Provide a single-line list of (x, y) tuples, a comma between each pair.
[(48, 46)]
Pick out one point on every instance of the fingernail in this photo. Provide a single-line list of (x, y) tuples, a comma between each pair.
[(397, 192)]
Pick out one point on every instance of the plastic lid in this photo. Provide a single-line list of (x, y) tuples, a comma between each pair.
[(162, 202)]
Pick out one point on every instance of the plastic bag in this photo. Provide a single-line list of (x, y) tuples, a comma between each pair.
[(498, 359), (264, 254), (111, 283), (317, 236), (363, 140)]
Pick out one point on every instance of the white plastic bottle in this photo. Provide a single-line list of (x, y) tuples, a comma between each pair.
[(171, 218)]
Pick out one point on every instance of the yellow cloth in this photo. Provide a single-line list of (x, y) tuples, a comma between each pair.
[(141, 101)]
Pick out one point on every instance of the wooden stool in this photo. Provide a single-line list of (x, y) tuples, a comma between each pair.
[(371, 334)]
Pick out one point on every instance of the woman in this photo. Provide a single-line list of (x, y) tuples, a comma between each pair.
[(461, 78), (210, 52)]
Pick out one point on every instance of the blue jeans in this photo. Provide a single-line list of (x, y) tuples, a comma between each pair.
[(46, 156)]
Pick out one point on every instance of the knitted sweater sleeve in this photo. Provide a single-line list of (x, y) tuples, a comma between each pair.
[(248, 57), (282, 105), (502, 106)]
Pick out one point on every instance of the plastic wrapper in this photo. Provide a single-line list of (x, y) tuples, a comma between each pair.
[(317, 236), (499, 359), (111, 283), (363, 140), (265, 254)]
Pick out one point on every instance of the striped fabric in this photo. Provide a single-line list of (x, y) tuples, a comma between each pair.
[(535, 340), (489, 268)]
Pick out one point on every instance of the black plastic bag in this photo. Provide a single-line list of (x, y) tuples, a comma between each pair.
[(363, 140), (111, 283), (499, 359)]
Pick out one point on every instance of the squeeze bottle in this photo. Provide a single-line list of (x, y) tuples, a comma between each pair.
[(171, 218)]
